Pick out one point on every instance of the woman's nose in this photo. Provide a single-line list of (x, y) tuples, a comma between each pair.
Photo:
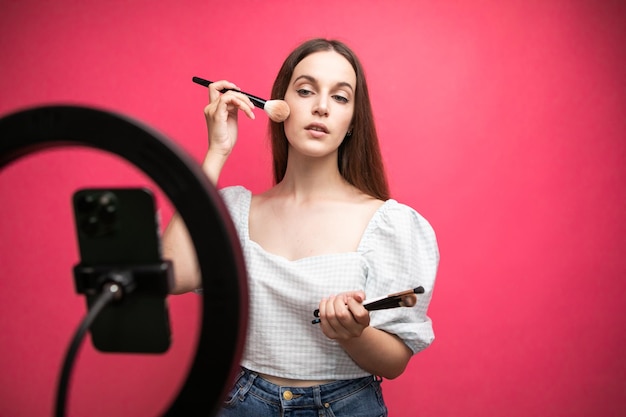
[(321, 105)]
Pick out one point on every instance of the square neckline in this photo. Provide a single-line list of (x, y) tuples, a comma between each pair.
[(371, 224)]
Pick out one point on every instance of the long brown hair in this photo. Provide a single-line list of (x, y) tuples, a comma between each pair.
[(359, 160)]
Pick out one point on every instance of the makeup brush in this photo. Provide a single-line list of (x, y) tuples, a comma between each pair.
[(277, 110), (399, 299)]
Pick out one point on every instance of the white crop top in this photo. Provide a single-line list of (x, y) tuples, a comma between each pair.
[(398, 251)]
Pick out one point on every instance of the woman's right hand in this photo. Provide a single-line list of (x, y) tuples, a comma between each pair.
[(221, 116)]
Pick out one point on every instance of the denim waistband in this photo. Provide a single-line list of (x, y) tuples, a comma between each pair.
[(297, 397)]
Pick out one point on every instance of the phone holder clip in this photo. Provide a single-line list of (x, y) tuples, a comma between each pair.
[(148, 279)]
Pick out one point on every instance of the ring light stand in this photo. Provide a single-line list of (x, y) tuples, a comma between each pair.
[(199, 204)]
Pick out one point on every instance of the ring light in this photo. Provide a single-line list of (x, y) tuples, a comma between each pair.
[(199, 204)]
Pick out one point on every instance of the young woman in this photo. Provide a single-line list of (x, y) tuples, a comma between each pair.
[(326, 236)]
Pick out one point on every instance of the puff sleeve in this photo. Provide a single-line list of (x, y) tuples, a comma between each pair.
[(401, 252)]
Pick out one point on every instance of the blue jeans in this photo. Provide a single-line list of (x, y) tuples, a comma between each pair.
[(253, 396)]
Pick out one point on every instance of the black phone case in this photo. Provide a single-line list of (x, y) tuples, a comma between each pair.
[(119, 228)]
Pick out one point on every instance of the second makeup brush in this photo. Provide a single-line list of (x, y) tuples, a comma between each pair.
[(383, 303)]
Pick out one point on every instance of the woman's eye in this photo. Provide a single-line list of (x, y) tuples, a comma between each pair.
[(341, 99), (303, 92)]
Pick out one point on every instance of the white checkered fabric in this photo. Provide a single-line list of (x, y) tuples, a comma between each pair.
[(398, 251)]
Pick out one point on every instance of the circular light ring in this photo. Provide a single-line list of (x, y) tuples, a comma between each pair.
[(225, 300)]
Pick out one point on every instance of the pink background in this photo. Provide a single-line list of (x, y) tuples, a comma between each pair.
[(502, 122)]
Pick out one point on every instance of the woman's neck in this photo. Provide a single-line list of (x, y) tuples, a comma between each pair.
[(312, 179)]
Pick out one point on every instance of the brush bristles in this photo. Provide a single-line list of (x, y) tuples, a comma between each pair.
[(277, 110)]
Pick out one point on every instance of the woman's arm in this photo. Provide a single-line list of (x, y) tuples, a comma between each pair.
[(343, 318), (221, 118), (378, 352)]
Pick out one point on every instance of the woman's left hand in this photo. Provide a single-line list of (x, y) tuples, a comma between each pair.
[(343, 316)]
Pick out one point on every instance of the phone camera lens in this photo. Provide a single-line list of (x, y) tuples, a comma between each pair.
[(90, 225), (108, 208), (108, 213), (86, 203)]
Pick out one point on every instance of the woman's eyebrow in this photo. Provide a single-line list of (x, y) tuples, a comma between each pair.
[(345, 84), (313, 80), (306, 77)]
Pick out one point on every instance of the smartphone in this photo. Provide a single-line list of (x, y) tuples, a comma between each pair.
[(118, 230)]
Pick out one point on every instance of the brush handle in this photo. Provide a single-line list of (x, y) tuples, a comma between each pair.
[(258, 101), (391, 301)]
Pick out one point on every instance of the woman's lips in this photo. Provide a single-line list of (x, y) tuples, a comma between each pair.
[(317, 127), (317, 130)]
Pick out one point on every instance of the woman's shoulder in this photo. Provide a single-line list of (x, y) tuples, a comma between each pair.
[(394, 220), (234, 191), (236, 198), (393, 210)]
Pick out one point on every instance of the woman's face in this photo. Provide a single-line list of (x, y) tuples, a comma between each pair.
[(321, 96)]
